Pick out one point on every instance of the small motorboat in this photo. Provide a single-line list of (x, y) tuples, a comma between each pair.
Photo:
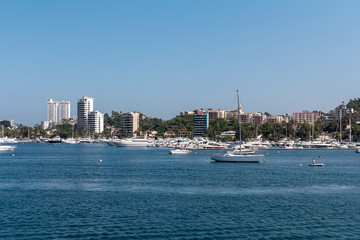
[(7, 148), (316, 164), (180, 151)]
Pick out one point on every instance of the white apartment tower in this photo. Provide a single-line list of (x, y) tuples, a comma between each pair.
[(96, 122), (64, 110), (85, 105), (52, 111)]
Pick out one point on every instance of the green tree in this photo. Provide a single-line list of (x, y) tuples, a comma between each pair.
[(267, 114), (354, 103), (5, 123), (64, 130)]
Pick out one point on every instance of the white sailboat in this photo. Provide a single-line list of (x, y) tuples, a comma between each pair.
[(239, 155)]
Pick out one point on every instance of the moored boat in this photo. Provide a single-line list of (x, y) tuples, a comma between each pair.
[(239, 155), (134, 142), (180, 151), (316, 165), (7, 148)]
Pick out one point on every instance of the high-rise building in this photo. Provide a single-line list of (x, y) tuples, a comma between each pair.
[(96, 122), (201, 123), (85, 105), (130, 124), (52, 111), (64, 110)]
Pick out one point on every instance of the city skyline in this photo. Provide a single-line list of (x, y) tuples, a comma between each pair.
[(52, 102), (160, 57)]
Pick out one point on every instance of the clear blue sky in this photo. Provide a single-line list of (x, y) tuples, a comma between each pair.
[(162, 57)]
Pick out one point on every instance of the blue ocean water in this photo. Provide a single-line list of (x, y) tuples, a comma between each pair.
[(65, 192)]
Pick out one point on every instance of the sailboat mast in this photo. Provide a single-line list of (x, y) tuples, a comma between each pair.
[(350, 131), (239, 118)]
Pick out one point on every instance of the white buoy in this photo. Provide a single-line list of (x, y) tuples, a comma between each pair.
[(13, 155), (301, 165), (100, 160)]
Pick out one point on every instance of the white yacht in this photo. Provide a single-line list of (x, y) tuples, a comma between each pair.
[(212, 145), (180, 151), (135, 142), (70, 141), (255, 145), (7, 148)]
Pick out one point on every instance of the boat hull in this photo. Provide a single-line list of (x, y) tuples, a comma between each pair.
[(238, 159), (7, 148), (141, 145), (316, 165), (181, 152)]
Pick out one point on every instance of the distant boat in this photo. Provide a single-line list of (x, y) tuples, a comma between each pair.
[(180, 151), (55, 139), (7, 148), (135, 142), (314, 164), (239, 155), (70, 141)]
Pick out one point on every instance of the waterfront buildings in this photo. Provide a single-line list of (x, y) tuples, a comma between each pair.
[(306, 117), (341, 111), (274, 119), (245, 117), (56, 112), (129, 124), (96, 122), (214, 114), (201, 123), (85, 105), (231, 114), (45, 125), (258, 119), (227, 134), (52, 111), (64, 110), (89, 120), (186, 113)]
